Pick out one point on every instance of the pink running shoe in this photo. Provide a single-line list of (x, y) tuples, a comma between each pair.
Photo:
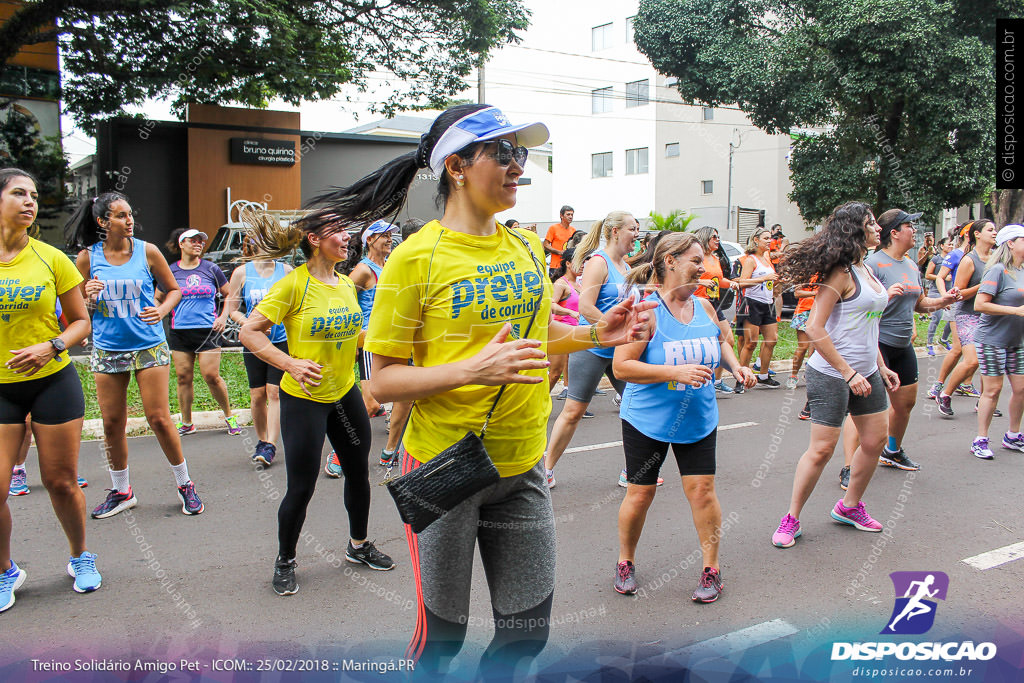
[(785, 535), (857, 517)]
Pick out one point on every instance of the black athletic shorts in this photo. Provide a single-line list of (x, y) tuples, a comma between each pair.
[(261, 374), (902, 360), (194, 340), (52, 400), (645, 456), (758, 313)]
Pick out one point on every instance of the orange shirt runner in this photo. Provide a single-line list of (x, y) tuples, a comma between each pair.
[(557, 236)]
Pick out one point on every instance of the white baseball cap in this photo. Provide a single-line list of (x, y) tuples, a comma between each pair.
[(1009, 232), (191, 232), (377, 227)]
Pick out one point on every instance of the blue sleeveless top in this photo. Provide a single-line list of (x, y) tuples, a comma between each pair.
[(366, 297), (667, 411), (128, 288), (256, 287), (612, 292)]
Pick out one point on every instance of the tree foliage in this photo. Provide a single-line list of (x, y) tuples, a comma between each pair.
[(676, 221), (900, 93), (21, 146), (117, 54)]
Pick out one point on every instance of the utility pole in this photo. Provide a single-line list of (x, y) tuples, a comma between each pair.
[(728, 215), (480, 83)]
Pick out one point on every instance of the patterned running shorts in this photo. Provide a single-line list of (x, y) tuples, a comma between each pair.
[(799, 321), (995, 361), (115, 362)]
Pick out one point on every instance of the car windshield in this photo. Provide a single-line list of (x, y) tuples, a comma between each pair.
[(731, 251), (219, 240)]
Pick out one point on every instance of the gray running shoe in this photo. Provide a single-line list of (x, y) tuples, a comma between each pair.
[(897, 460), (625, 578), (844, 477)]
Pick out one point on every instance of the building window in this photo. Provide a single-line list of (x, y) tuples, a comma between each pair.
[(601, 100), (707, 187), (671, 81), (709, 114), (672, 149), (636, 161), (629, 29), (637, 93), (601, 165), (601, 37)]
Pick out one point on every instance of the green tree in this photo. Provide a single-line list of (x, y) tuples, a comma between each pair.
[(900, 93), (117, 54), (21, 146), (676, 220)]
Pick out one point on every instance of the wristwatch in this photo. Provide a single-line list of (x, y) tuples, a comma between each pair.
[(59, 346)]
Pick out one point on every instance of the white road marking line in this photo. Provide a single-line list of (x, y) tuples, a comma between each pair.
[(734, 642), (614, 444), (994, 558)]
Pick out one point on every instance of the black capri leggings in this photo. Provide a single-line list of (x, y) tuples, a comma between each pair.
[(304, 424)]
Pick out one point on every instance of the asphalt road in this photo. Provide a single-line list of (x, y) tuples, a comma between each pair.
[(198, 588)]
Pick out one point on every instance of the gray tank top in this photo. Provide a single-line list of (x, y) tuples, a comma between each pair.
[(853, 325), (967, 305)]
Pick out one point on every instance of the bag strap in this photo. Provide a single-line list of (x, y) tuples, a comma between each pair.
[(529, 326)]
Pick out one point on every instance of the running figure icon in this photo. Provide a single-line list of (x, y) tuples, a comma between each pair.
[(915, 607), (916, 594)]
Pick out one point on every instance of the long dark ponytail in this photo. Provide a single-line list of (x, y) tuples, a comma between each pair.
[(382, 193), (83, 229)]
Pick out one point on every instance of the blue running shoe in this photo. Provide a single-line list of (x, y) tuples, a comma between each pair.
[(1014, 443), (333, 467), (190, 503), (265, 453), (19, 484), (757, 367), (115, 503), (10, 581), (83, 570)]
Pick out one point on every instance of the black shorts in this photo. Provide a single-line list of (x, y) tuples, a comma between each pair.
[(52, 400), (363, 360), (194, 340), (260, 373), (758, 313), (644, 455), (902, 360)]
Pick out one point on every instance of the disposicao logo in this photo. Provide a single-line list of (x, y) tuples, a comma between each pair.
[(914, 611)]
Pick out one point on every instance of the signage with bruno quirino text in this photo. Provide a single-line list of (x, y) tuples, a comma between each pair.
[(262, 151)]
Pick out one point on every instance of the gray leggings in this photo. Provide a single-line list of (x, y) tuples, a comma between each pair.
[(933, 324), (514, 526)]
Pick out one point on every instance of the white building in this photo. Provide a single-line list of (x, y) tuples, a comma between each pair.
[(620, 134)]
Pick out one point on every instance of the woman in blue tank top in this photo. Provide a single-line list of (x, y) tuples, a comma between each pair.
[(128, 336), (375, 240), (669, 400), (604, 285), (248, 285)]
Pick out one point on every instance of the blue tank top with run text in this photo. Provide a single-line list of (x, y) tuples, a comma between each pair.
[(669, 411), (127, 289), (256, 287), (612, 292)]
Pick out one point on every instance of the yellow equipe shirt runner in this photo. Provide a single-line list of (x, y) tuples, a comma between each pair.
[(322, 322), (441, 297), (29, 286)]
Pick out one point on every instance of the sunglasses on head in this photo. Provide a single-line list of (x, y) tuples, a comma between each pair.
[(506, 152)]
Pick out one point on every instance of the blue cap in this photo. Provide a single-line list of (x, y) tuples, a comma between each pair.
[(485, 124)]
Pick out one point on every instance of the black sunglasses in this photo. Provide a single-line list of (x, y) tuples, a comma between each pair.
[(507, 152)]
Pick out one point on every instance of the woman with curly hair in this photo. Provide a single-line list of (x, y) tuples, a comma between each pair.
[(847, 374)]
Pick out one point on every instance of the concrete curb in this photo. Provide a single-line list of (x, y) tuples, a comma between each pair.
[(137, 426)]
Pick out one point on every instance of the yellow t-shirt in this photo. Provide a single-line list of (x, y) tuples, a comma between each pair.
[(29, 287), (323, 324), (441, 297)]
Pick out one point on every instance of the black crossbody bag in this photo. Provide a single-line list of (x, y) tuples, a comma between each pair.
[(426, 493)]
